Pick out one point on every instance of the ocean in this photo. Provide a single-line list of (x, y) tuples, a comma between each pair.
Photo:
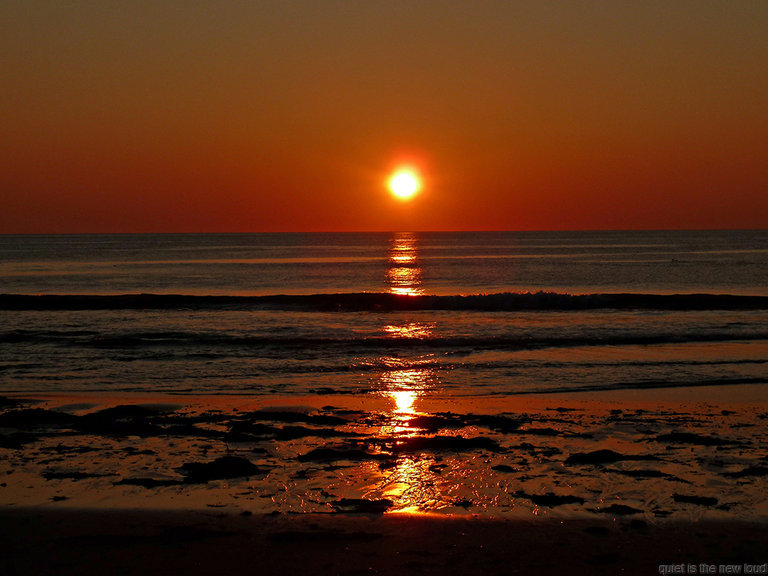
[(409, 315)]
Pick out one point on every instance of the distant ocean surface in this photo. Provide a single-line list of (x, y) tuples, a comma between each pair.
[(449, 314)]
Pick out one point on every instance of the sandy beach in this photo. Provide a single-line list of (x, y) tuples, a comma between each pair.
[(347, 485), (50, 541)]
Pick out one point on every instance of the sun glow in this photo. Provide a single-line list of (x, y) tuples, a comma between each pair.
[(404, 183)]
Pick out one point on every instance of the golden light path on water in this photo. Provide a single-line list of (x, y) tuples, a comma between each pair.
[(410, 483), (417, 482), (404, 273)]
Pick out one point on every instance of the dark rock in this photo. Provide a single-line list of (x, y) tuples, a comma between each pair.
[(31, 418), (619, 509), (241, 431), (748, 471), (133, 451), (293, 432), (541, 431), (6, 402), (17, 440), (62, 449), (334, 454), (602, 457), (691, 438), (222, 468), (124, 420), (362, 506), (503, 468), (550, 499), (546, 451), (71, 475), (640, 473), (324, 390), (700, 500), (289, 417), (123, 412), (503, 424), (147, 482), (438, 422), (190, 429), (446, 443)]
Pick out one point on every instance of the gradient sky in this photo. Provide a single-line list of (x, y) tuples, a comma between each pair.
[(191, 116)]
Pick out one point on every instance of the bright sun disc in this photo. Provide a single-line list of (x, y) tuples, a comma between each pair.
[(404, 183)]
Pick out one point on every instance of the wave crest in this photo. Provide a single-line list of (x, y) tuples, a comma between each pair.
[(385, 302)]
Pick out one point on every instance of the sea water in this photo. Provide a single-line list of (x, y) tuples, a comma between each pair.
[(447, 314)]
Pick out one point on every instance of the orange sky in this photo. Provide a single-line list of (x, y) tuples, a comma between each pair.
[(187, 116)]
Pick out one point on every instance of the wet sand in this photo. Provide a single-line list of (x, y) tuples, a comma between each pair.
[(383, 484), (70, 542)]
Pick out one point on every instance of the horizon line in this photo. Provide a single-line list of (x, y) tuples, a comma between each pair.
[(532, 231)]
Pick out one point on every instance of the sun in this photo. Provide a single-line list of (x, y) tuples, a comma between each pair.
[(404, 183)]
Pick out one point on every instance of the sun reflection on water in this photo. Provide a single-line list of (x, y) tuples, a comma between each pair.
[(408, 483), (411, 482), (405, 388), (404, 273), (419, 330)]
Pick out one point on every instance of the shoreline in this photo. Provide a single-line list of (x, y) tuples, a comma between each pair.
[(731, 394)]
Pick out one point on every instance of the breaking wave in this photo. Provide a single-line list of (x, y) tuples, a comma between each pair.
[(383, 302)]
